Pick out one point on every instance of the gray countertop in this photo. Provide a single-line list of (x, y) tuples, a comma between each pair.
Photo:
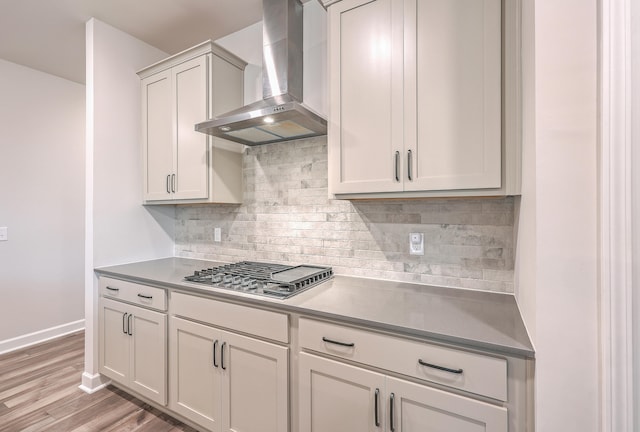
[(475, 319)]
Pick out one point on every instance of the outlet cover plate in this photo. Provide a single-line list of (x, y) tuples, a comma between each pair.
[(4, 234), (416, 244)]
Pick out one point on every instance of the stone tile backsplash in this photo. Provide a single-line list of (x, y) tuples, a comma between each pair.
[(287, 217)]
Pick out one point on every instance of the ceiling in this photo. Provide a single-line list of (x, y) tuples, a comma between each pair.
[(49, 35)]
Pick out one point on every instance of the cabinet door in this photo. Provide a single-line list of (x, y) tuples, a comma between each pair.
[(114, 340), (149, 354), (190, 93), (453, 94), (195, 381), (157, 142), (414, 407), (365, 118), (255, 393), (339, 397)]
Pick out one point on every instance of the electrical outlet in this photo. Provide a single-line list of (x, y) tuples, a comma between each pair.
[(416, 244), (4, 235), (217, 235)]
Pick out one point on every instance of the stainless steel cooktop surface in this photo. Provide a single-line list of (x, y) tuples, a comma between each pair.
[(266, 279)]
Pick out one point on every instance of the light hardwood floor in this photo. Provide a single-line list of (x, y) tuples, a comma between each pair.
[(39, 392)]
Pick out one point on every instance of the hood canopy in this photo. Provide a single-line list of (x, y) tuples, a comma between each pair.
[(280, 115)]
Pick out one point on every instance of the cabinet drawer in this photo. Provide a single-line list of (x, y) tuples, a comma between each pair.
[(476, 373), (143, 295), (258, 322)]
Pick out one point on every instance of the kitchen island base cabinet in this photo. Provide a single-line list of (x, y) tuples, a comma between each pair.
[(338, 396), (133, 348), (225, 381)]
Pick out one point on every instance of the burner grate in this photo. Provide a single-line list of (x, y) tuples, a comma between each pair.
[(274, 280)]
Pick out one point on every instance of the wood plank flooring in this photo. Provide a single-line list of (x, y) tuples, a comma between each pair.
[(39, 392)]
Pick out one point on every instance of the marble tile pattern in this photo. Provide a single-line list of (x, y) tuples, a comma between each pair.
[(287, 217)]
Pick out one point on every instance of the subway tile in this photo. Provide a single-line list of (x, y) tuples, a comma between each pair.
[(314, 183), (498, 275), (288, 217)]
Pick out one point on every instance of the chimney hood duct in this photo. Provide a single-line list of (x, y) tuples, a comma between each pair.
[(280, 115)]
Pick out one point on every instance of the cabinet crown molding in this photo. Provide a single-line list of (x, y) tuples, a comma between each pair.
[(203, 48)]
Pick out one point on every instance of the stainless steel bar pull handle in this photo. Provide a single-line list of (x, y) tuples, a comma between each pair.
[(215, 347), (392, 402), (129, 330), (124, 320), (397, 166), (409, 163), (173, 183), (113, 289), (168, 186), (442, 368), (345, 344), (148, 297), (377, 407), (222, 356)]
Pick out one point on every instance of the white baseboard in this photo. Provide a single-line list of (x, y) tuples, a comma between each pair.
[(93, 383), (40, 336)]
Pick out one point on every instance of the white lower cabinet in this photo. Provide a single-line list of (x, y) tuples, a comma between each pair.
[(335, 396), (350, 379), (133, 343), (225, 381), (416, 407), (338, 397), (224, 367)]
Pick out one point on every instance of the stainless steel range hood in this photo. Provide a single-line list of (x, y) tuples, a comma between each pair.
[(280, 115)]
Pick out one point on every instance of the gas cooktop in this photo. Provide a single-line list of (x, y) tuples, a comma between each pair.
[(266, 279)]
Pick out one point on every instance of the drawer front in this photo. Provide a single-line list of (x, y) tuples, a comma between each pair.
[(245, 319), (476, 373), (143, 295)]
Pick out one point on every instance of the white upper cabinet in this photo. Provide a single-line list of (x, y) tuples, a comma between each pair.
[(453, 94), (417, 92), (157, 130), (181, 165), (365, 81), (189, 180)]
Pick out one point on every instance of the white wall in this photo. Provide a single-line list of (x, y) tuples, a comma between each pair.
[(525, 226), (558, 216), (41, 203), (123, 230), (119, 228), (247, 44), (635, 169)]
